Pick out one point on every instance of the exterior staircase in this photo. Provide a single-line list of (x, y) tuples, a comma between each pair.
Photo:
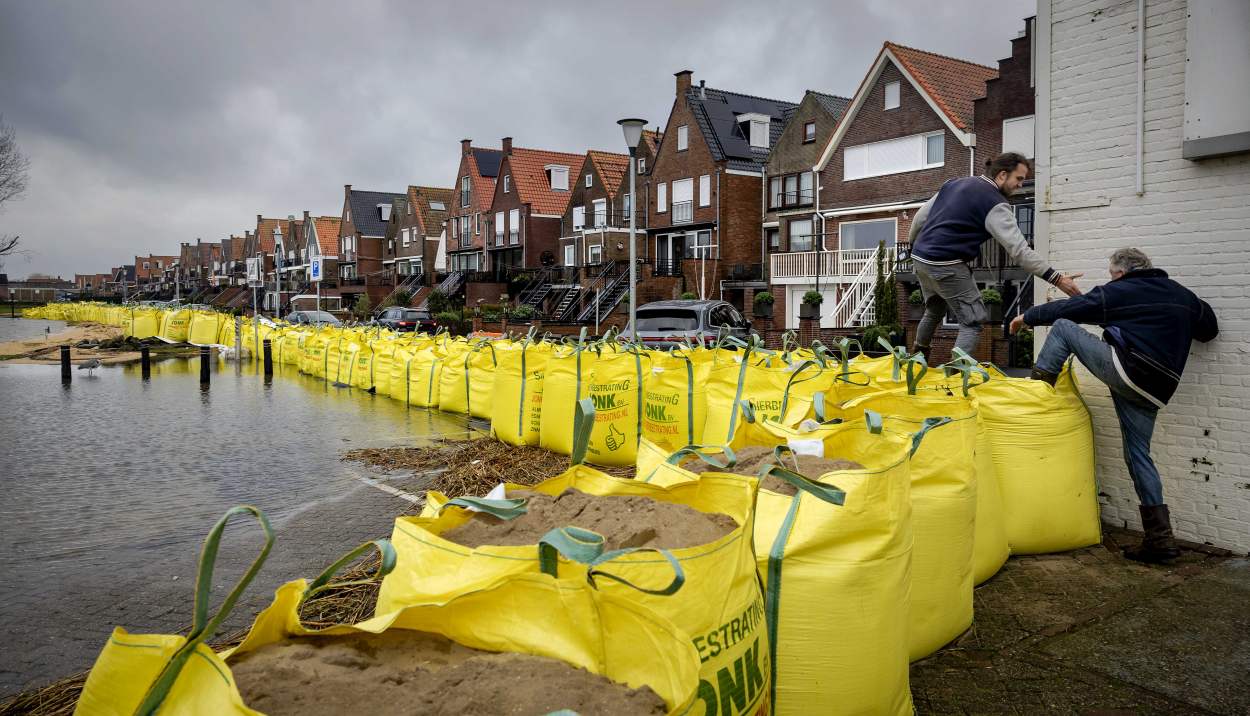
[(449, 286), (855, 305)]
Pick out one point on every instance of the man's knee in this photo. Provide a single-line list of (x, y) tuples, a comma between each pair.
[(1063, 325)]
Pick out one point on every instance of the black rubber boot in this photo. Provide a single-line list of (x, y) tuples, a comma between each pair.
[(1044, 376), (1158, 546), (923, 350)]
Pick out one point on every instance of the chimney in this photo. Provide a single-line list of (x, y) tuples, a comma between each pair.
[(258, 219), (465, 146), (305, 216), (347, 189), (507, 146), (702, 89), (683, 81)]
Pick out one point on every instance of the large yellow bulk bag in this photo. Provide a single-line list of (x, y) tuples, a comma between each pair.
[(225, 332), (174, 326), (335, 359), (1042, 444), (719, 606), (362, 368), (204, 328), (480, 379), (517, 415), (837, 575), (990, 549), (453, 381), (616, 388), (383, 364), (565, 619), (944, 511), (399, 386), (674, 399), (772, 385), (424, 373), (312, 353), (565, 383)]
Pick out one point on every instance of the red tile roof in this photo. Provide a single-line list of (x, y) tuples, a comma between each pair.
[(529, 176), (652, 139), (611, 168), (264, 233), (431, 219), (952, 83), (327, 228)]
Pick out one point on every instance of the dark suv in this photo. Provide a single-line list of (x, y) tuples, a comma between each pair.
[(664, 323), (407, 319)]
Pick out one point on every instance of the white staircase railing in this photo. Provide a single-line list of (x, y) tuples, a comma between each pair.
[(855, 307)]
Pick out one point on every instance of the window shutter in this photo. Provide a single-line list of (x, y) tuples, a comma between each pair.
[(705, 190)]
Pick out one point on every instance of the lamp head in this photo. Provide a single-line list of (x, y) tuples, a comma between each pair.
[(632, 128)]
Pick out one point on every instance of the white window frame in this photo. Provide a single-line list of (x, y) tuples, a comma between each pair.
[(705, 190), (477, 223), (590, 259), (590, 180), (920, 161), (1018, 122), (927, 165), (579, 218), (466, 193), (893, 219), (759, 134), (683, 138), (809, 137), (499, 228), (514, 227), (560, 171), (661, 197), (811, 236), (897, 87), (642, 165), (627, 201), (404, 238), (600, 209), (507, 183), (570, 254)]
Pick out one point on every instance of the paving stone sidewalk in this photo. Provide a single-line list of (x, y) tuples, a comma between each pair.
[(1089, 632)]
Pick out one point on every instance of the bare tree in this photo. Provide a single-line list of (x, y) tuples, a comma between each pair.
[(13, 166)]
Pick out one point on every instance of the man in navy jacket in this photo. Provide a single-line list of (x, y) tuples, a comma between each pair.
[(1148, 322)]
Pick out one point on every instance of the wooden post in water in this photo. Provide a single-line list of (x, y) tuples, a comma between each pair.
[(145, 362), (268, 359), (66, 376), (204, 356)]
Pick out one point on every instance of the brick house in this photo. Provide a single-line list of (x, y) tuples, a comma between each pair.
[(150, 272), (322, 238), (1173, 182), (415, 241), (360, 253), (268, 235), (287, 256), (527, 209), (595, 220), (473, 192), (704, 190), (908, 129), (789, 215)]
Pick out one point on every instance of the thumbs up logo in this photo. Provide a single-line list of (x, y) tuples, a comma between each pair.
[(615, 439)]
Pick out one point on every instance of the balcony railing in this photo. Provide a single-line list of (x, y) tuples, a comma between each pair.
[(992, 257), (666, 267), (809, 264), (514, 237), (683, 212)]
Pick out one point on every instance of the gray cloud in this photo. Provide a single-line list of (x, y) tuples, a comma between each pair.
[(149, 123)]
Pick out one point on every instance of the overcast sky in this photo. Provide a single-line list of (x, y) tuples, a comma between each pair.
[(151, 123)]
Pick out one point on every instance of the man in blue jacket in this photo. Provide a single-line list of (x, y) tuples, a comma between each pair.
[(947, 233), (1148, 322)]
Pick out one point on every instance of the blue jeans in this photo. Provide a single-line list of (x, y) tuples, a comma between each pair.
[(1137, 415)]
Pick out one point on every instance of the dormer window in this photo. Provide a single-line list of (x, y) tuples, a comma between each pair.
[(507, 183), (438, 206), (755, 128), (558, 176), (384, 212)]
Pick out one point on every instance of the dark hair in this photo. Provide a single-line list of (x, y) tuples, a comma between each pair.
[(1005, 162)]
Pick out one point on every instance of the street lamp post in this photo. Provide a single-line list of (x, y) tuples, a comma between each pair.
[(633, 135)]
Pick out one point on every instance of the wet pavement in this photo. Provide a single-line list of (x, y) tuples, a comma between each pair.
[(109, 485), (1089, 632)]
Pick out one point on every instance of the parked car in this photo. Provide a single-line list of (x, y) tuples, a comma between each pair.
[(406, 319), (314, 318), (663, 323)]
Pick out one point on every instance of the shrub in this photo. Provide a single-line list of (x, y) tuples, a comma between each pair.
[(1022, 349), (362, 307), (763, 297), (522, 313), (916, 298), (440, 302), (492, 311), (873, 333), (991, 296), (687, 296), (813, 298), (451, 320), (401, 298)]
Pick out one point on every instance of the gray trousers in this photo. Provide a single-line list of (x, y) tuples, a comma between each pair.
[(950, 287)]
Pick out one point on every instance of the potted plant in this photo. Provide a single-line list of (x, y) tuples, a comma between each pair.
[(915, 305), (810, 308), (763, 306), (993, 301)]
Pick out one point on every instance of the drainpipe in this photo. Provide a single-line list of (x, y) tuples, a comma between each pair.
[(816, 207), (722, 289), (764, 257), (972, 160), (1141, 95)]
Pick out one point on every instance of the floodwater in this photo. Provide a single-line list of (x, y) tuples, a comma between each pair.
[(17, 329), (113, 476)]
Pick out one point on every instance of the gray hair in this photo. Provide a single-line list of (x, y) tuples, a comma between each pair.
[(1128, 260)]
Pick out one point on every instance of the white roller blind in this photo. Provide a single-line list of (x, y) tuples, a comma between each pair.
[(683, 190), (705, 190), (579, 217), (661, 197), (892, 156), (1018, 135)]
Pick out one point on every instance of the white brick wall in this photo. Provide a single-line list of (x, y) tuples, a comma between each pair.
[(1193, 220)]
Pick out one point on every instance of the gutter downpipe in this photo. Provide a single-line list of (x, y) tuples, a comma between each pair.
[(1141, 96), (816, 208), (717, 264)]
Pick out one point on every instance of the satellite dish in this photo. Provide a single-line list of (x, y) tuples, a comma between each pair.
[(547, 258)]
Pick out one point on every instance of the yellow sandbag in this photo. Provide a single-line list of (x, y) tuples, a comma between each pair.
[(480, 379), (517, 415), (312, 353), (453, 392), (674, 400), (1043, 447), (383, 365), (720, 605), (174, 325), (775, 388), (568, 373), (362, 369), (944, 511), (616, 387), (225, 332), (424, 372), (990, 549), (565, 619), (837, 575), (204, 328)]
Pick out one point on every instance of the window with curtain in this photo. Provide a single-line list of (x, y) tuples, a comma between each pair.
[(866, 234), (801, 235), (774, 192)]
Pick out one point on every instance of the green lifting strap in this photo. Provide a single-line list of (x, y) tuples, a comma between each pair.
[(583, 424), (748, 413), (504, 509), (322, 582), (913, 378), (785, 396), (873, 421), (966, 365), (202, 626), (826, 493), (926, 426), (706, 454), (587, 547)]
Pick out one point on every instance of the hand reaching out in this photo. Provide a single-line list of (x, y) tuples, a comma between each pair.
[(1016, 324), (1067, 284)]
